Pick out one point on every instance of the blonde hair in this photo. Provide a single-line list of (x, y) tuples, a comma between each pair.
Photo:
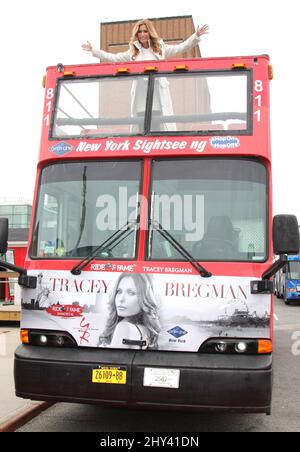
[(148, 315), (153, 36)]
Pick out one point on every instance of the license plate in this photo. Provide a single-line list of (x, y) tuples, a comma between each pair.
[(161, 378), (110, 375)]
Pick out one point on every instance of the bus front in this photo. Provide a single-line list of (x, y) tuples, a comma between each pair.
[(291, 280), (150, 241)]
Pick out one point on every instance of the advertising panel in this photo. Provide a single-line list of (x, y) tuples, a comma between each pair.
[(145, 311)]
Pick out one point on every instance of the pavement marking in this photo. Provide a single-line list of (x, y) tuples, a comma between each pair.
[(16, 421), (3, 345), (275, 317)]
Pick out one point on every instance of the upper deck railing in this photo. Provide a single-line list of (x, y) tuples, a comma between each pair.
[(208, 105)]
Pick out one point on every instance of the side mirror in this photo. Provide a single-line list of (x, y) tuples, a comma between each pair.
[(3, 235), (285, 241), (286, 235)]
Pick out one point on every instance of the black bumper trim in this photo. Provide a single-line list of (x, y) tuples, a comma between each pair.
[(207, 382)]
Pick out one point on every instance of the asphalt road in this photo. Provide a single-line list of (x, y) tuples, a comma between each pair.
[(285, 408)]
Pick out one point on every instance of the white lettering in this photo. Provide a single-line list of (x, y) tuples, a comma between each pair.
[(160, 145), (199, 146), (296, 345), (164, 205), (106, 218), (98, 267), (111, 145), (119, 442), (144, 145), (195, 227), (88, 147)]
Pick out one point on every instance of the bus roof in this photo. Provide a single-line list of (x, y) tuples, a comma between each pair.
[(205, 62), (253, 139)]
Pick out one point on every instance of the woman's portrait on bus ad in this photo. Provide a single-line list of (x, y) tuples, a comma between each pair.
[(133, 319)]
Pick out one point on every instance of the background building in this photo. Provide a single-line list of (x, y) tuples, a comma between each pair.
[(115, 36), (18, 212)]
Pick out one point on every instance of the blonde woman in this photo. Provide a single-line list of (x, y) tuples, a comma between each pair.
[(146, 45), (133, 320)]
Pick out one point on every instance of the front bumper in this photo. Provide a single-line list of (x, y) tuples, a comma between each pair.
[(293, 296), (207, 382)]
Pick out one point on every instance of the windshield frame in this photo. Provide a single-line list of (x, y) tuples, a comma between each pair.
[(200, 259), (61, 80), (149, 101), (136, 231), (209, 73)]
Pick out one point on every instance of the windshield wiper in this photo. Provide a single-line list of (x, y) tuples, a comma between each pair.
[(107, 245), (83, 209), (181, 250)]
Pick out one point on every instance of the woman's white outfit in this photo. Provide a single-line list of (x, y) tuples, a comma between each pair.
[(162, 98)]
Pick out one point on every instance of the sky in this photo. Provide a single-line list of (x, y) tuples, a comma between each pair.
[(35, 35)]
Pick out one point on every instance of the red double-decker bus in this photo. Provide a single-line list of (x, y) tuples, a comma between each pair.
[(148, 278)]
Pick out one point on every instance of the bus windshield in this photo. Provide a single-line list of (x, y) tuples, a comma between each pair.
[(294, 270), (205, 102), (215, 208), (82, 204)]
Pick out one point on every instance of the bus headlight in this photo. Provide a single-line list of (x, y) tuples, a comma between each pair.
[(47, 338), (237, 346), (241, 347), (43, 339), (221, 347)]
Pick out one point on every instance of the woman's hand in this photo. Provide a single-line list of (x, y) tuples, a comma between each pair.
[(202, 31), (87, 46)]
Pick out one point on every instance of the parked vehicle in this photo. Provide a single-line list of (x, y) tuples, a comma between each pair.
[(287, 280)]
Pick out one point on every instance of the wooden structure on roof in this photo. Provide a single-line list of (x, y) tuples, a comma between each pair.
[(115, 36)]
